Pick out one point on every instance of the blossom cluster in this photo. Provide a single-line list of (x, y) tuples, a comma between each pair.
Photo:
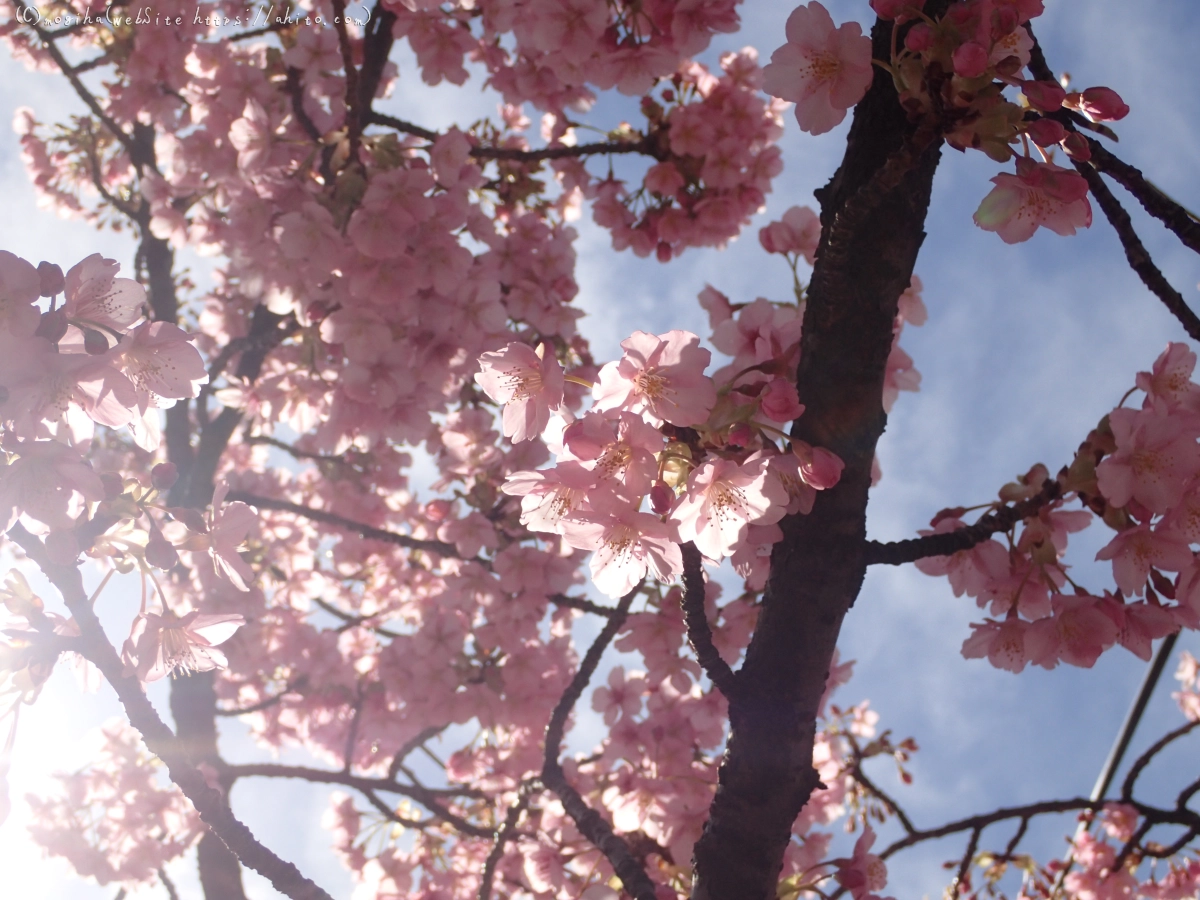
[(702, 452), (1138, 471)]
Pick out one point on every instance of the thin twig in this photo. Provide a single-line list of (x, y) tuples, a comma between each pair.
[(503, 834), (513, 154), (168, 884), (363, 530), (426, 734), (581, 604), (591, 825), (1153, 750), (1135, 252), (428, 797)]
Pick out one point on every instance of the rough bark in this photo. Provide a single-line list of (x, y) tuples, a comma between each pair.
[(873, 212)]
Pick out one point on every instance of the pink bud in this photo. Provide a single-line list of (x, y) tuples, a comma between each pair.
[(919, 38), (780, 401), (663, 251), (662, 498), (114, 486), (1076, 147), (437, 510), (52, 326), (164, 475), (970, 60), (94, 342), (51, 277), (1045, 132), (740, 435), (159, 552), (1101, 104), (1046, 96)]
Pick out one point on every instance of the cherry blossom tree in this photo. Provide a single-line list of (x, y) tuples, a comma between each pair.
[(384, 294)]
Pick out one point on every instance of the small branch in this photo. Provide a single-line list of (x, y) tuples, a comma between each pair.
[(699, 634), (897, 553), (1153, 750), (168, 884), (581, 604), (367, 531), (392, 815), (256, 707), (427, 797), (998, 815), (418, 740), (589, 822), (964, 865), (295, 90), (643, 145), (1135, 252), (354, 112), (89, 100), (161, 741), (879, 793), (353, 621), (503, 834), (1174, 216)]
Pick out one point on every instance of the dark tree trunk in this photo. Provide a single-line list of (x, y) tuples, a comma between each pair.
[(873, 213)]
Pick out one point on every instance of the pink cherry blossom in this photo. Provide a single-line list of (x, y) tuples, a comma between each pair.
[(1155, 455), (529, 383), (1136, 550), (1077, 633), (824, 70), (228, 527), (627, 545), (660, 377), (1169, 383), (799, 231), (167, 644), (863, 873), (96, 297), (722, 499), (1003, 643), (1039, 195)]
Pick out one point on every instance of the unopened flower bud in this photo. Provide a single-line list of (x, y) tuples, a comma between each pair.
[(919, 38), (114, 486), (663, 251), (971, 60), (1101, 104), (1046, 96), (164, 475), (159, 552), (1045, 132), (1076, 147), (662, 498), (51, 277), (94, 342), (52, 326)]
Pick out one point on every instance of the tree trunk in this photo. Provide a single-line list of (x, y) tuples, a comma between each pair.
[(873, 213)]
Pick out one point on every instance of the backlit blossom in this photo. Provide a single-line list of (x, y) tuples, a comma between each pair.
[(722, 499), (627, 544), (95, 296), (1039, 195), (167, 644), (824, 70), (662, 377), (529, 383), (228, 527), (864, 873)]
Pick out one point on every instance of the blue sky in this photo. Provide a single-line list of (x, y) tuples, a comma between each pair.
[(1025, 349)]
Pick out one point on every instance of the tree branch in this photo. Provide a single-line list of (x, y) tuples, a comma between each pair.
[(161, 741), (427, 797), (589, 822), (1135, 252), (897, 553), (643, 144), (503, 834), (367, 531), (698, 631)]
